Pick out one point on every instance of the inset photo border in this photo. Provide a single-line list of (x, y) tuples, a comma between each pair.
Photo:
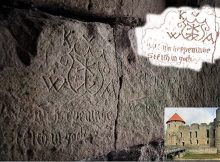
[(192, 133)]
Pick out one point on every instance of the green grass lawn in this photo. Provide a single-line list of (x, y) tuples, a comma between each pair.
[(201, 156)]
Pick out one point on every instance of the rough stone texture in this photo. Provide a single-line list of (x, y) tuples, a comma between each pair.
[(71, 90), (141, 95), (148, 152), (192, 3), (129, 12), (146, 90), (179, 3), (59, 88), (215, 3), (66, 93)]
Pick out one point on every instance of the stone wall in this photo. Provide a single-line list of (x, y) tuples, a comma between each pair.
[(190, 136), (128, 12), (72, 88), (65, 91)]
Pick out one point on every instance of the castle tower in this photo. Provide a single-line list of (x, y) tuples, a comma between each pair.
[(172, 128), (217, 130)]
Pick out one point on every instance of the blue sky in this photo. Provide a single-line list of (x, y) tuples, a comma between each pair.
[(192, 115)]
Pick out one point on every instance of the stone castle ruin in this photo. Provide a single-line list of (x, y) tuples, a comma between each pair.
[(194, 136)]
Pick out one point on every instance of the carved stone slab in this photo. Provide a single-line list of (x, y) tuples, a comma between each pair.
[(147, 89), (58, 101), (130, 12), (140, 116)]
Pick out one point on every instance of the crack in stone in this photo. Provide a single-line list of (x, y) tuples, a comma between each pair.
[(117, 113), (120, 77), (90, 5)]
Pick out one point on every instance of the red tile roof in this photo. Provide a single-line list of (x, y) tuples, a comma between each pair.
[(175, 117)]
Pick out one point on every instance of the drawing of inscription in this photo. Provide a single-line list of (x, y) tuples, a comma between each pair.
[(194, 29), (181, 37)]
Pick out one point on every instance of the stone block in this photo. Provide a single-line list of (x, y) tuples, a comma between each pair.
[(129, 12), (59, 88)]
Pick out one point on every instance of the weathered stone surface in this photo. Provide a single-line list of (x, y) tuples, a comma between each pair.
[(209, 2), (146, 90), (215, 2), (148, 152), (130, 12), (71, 90), (140, 112), (191, 3), (59, 87), (180, 3)]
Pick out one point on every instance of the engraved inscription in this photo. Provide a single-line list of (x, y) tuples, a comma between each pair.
[(56, 138), (42, 138), (75, 136), (28, 137), (8, 109), (82, 68), (65, 101), (54, 82), (66, 37), (142, 109), (85, 73), (39, 116)]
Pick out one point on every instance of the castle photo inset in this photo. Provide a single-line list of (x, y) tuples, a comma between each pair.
[(192, 133)]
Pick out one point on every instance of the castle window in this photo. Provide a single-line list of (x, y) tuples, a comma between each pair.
[(214, 133), (196, 134), (197, 142), (183, 143), (207, 133), (190, 134), (207, 141), (190, 141), (181, 134)]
